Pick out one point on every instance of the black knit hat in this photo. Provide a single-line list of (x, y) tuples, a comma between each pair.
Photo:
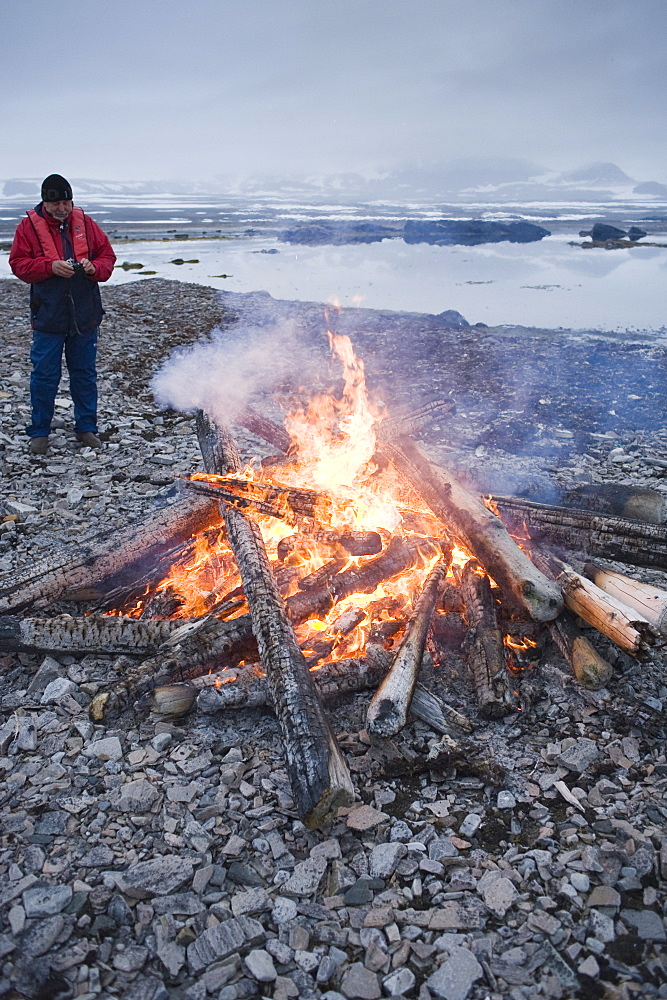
[(56, 188)]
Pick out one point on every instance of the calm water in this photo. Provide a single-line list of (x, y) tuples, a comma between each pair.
[(548, 283)]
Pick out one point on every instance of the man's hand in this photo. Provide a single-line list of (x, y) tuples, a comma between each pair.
[(88, 266), (62, 269)]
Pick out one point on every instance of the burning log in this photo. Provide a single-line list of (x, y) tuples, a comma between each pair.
[(486, 651), (590, 669), (318, 774), (355, 543), (108, 555), (636, 542), (649, 601), (267, 498), (162, 604), (94, 634), (480, 531), (320, 644), (620, 623), (388, 710), (397, 557), (322, 575)]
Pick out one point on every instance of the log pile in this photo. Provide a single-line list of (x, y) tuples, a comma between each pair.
[(247, 635)]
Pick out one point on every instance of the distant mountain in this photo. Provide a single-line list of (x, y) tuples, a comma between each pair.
[(457, 182)]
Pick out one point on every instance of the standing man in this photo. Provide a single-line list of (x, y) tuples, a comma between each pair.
[(63, 255)]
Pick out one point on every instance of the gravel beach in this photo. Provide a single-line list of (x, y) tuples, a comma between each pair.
[(151, 859)]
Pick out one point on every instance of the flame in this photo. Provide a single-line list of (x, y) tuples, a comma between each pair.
[(333, 455)]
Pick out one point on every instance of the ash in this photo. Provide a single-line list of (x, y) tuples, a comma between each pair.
[(154, 859)]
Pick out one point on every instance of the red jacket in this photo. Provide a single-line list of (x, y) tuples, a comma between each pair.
[(28, 263), (61, 305)]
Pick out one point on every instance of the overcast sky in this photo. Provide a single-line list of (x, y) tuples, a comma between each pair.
[(194, 89)]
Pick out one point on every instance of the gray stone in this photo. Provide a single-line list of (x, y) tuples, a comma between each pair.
[(384, 858), (98, 857), (400, 831), (358, 981), (470, 825), (647, 923), (399, 982), (161, 876), (41, 936), (604, 895), (601, 926), (455, 977), (252, 901), (499, 894), (180, 903), (284, 909), (442, 847), (44, 901), (580, 881), (56, 689), (215, 944), (137, 796), (52, 823), (48, 670), (131, 959), (306, 877), (260, 966), (579, 756), (505, 800), (106, 749)]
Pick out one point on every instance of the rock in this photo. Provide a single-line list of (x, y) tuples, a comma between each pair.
[(221, 941), (284, 910), (106, 749), (470, 825), (358, 981), (252, 901), (160, 876), (604, 895), (579, 756), (57, 689), (306, 877), (384, 858), (137, 796), (260, 966), (43, 901), (399, 982), (505, 800), (470, 232), (365, 818), (455, 977), (499, 894), (647, 923), (41, 936)]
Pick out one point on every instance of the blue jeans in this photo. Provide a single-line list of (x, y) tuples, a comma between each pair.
[(46, 356)]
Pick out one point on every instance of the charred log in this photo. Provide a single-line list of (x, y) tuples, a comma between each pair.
[(108, 556), (636, 542), (95, 634), (355, 543), (266, 498), (217, 446), (618, 500), (478, 529), (410, 420), (388, 711), (485, 652), (264, 428), (318, 774)]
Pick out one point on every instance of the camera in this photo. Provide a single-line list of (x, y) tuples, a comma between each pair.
[(78, 268)]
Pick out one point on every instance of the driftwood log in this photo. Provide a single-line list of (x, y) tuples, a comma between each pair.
[(485, 650), (620, 623), (590, 669), (318, 773), (649, 601), (108, 555), (388, 711), (618, 500), (484, 534), (636, 542)]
